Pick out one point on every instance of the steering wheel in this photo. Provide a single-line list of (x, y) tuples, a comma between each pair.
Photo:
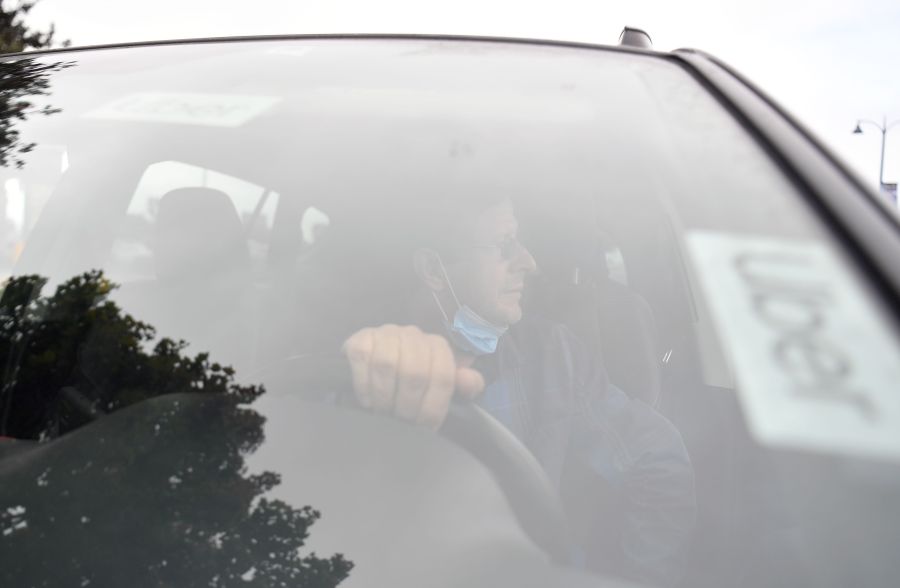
[(518, 473)]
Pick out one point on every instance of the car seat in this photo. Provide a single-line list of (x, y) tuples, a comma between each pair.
[(204, 278), (612, 320)]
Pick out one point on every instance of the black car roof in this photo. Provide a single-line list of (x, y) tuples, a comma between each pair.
[(347, 36)]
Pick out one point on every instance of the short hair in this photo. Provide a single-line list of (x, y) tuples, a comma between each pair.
[(439, 224)]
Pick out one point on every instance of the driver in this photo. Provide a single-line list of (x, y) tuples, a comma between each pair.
[(620, 467)]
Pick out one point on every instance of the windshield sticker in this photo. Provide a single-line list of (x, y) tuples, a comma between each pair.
[(816, 366), (215, 110)]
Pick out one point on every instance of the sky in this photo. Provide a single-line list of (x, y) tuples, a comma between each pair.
[(829, 63)]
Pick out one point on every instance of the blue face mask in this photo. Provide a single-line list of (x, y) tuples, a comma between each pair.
[(469, 331)]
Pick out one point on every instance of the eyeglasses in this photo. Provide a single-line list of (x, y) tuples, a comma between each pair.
[(509, 248)]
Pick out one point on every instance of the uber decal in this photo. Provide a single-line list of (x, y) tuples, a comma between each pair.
[(216, 110), (815, 365)]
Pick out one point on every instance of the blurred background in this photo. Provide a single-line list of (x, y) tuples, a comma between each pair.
[(831, 63)]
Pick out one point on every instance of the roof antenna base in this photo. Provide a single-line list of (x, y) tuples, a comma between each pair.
[(632, 37)]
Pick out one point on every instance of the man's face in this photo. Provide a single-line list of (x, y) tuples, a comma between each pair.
[(489, 274)]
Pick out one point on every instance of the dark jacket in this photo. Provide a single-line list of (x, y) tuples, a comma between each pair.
[(621, 468)]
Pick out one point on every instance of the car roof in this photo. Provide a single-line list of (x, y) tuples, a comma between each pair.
[(348, 36)]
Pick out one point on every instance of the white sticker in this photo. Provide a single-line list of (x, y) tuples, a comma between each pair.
[(215, 110), (816, 366)]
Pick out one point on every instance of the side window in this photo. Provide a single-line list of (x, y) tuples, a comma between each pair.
[(312, 225), (132, 252), (608, 258), (615, 264), (23, 193)]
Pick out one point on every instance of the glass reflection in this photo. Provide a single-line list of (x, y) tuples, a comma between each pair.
[(20, 81), (156, 487)]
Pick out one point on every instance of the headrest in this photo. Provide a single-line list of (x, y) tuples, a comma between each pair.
[(198, 234), (616, 323), (629, 341)]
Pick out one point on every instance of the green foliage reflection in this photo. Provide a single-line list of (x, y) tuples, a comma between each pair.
[(155, 493), (21, 79), (74, 354)]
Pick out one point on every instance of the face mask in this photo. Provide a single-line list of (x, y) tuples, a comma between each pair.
[(469, 331)]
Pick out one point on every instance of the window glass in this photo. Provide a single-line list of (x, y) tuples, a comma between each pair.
[(23, 194), (193, 234), (132, 252)]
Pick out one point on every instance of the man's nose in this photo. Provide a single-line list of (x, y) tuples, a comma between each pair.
[(525, 262)]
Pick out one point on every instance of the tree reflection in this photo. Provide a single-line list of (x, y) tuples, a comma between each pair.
[(19, 80), (156, 494)]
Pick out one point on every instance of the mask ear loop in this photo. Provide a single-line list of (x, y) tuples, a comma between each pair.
[(447, 277), (449, 285), (440, 307)]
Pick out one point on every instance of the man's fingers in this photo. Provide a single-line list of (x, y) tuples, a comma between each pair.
[(441, 383), (469, 383), (383, 367), (413, 373), (358, 349)]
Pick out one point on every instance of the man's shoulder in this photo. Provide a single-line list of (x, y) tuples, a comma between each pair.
[(540, 331)]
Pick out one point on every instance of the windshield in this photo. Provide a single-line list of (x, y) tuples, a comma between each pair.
[(236, 273)]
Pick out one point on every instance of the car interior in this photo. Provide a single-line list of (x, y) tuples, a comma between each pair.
[(201, 284)]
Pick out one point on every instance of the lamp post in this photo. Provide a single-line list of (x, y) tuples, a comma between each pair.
[(884, 128)]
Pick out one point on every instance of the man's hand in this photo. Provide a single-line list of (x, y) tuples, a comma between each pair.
[(406, 372)]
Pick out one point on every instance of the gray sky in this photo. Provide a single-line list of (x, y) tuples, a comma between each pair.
[(828, 62)]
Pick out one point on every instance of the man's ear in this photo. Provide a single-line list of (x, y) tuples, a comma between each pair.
[(427, 265)]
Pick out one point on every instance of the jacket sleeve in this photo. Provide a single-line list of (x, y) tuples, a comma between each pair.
[(635, 462)]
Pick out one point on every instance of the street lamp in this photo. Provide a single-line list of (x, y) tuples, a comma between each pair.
[(884, 128)]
